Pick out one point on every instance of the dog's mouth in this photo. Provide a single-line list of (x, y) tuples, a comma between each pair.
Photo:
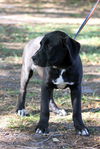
[(39, 61), (34, 60), (60, 65)]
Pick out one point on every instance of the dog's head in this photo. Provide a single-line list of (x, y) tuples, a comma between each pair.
[(56, 49)]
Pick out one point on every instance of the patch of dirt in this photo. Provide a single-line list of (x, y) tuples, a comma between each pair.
[(29, 141), (56, 139), (43, 11)]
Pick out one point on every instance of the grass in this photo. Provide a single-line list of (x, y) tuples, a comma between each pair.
[(23, 123), (90, 112), (90, 53), (29, 123)]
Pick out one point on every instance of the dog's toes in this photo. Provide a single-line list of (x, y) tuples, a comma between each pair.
[(38, 131), (83, 132), (42, 131), (62, 112), (22, 112)]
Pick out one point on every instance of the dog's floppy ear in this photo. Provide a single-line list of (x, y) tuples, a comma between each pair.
[(73, 47)]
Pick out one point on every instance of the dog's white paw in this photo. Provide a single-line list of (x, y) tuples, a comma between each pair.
[(38, 131), (22, 112), (83, 132), (62, 112)]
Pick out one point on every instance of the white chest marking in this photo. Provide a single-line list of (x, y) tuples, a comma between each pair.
[(60, 81)]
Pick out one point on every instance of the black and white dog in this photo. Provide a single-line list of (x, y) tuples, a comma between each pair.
[(56, 58)]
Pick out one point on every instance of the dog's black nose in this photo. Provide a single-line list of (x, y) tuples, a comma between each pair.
[(33, 57)]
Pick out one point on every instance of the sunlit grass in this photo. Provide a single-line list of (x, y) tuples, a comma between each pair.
[(89, 39), (23, 123), (93, 40), (90, 112), (92, 58)]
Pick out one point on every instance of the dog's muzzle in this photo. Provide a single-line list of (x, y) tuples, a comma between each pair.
[(35, 60)]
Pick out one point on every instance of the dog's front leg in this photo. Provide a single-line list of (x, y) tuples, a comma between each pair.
[(76, 104), (46, 94)]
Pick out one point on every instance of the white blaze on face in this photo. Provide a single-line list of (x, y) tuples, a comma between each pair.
[(60, 81)]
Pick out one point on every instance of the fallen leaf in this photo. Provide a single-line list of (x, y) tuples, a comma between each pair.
[(55, 140)]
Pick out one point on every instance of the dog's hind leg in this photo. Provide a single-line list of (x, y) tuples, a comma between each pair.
[(54, 108), (26, 74)]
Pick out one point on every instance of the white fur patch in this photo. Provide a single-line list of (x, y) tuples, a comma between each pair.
[(22, 112), (84, 132), (62, 112), (38, 131), (60, 81)]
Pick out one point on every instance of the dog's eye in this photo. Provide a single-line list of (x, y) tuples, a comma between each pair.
[(40, 42), (49, 46)]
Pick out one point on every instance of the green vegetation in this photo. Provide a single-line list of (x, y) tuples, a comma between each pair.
[(90, 53), (23, 123)]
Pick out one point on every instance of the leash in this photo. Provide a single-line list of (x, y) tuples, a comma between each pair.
[(87, 18)]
